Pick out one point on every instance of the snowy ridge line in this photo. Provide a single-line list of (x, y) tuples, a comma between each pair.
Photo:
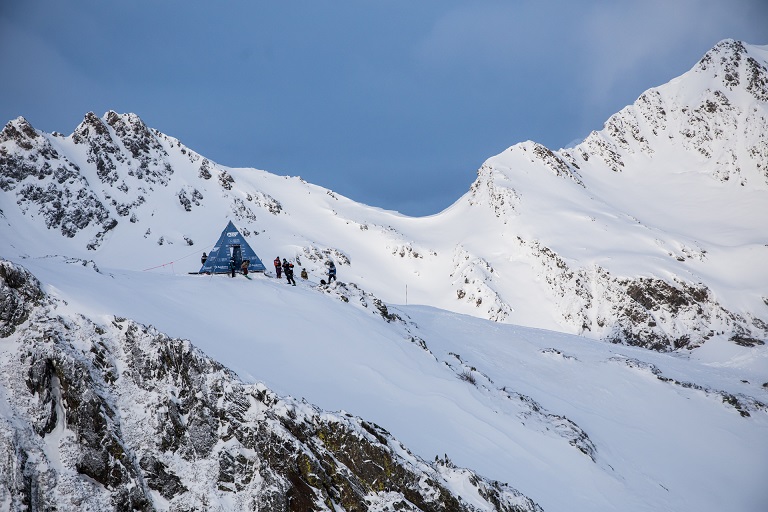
[(528, 409), (739, 401)]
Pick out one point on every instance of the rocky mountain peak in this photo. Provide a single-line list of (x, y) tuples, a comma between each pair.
[(709, 125), (733, 65), (134, 134), (91, 127), (713, 118), (123, 141), (20, 131)]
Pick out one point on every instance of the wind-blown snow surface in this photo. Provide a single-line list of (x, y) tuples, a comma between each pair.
[(650, 231)]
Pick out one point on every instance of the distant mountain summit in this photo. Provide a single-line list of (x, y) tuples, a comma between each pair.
[(714, 114), (633, 224), (650, 232)]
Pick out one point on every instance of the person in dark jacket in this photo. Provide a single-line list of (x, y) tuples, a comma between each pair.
[(278, 268), (331, 271), (288, 269), (232, 266)]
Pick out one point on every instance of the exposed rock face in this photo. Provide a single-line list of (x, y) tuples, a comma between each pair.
[(646, 312), (47, 183), (121, 417), (19, 293), (473, 277), (735, 66)]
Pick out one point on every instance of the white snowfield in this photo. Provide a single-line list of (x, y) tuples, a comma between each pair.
[(495, 356)]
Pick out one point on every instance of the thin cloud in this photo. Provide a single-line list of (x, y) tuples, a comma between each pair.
[(626, 41), (42, 81), (493, 36)]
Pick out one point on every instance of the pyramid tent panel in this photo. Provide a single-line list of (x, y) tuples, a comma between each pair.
[(231, 245)]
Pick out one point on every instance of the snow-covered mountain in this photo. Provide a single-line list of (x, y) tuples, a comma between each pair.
[(649, 234)]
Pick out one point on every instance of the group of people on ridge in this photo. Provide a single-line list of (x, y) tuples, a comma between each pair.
[(286, 267), (281, 267)]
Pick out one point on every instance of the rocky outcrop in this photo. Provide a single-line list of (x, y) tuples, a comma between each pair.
[(501, 198), (473, 278), (731, 61), (19, 294), (122, 417), (653, 313), (529, 411), (744, 404), (48, 184)]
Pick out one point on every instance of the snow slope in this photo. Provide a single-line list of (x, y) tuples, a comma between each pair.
[(573, 423), (117, 416)]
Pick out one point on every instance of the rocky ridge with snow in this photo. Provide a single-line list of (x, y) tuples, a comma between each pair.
[(119, 416)]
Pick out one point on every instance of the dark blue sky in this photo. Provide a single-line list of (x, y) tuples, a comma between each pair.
[(394, 103)]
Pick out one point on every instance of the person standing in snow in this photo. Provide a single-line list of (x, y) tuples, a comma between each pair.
[(304, 274), (244, 267), (232, 266), (278, 268), (288, 268), (331, 271)]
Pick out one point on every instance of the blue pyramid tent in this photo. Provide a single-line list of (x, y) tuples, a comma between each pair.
[(231, 245)]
